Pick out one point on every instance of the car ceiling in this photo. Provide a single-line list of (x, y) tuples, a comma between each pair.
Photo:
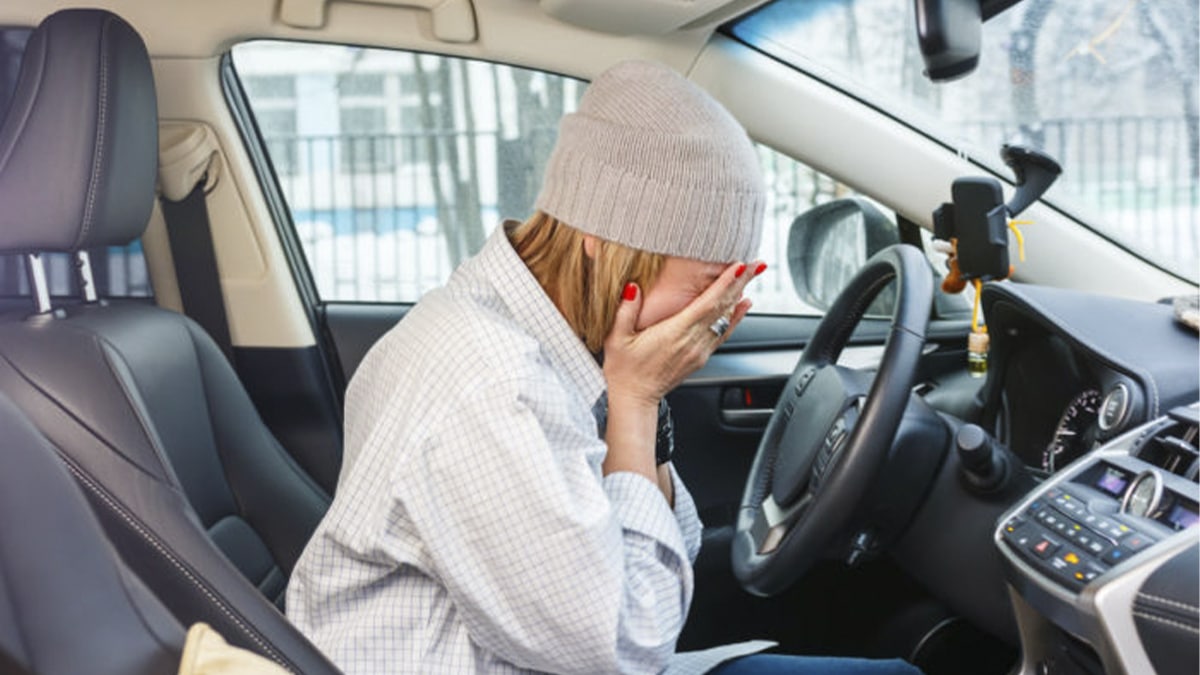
[(206, 28)]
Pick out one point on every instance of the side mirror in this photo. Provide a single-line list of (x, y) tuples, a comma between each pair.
[(948, 34), (829, 243)]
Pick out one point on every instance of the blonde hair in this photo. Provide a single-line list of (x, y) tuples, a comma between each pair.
[(586, 290)]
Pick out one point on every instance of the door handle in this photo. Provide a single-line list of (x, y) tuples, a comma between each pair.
[(746, 418)]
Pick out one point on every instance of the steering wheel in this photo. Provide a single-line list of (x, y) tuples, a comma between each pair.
[(829, 433)]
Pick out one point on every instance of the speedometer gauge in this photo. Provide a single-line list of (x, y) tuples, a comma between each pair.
[(1075, 432)]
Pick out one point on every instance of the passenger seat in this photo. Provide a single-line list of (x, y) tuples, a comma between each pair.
[(67, 604), (196, 494)]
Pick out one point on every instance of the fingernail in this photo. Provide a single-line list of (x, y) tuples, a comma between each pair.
[(630, 292), (741, 269), (760, 269)]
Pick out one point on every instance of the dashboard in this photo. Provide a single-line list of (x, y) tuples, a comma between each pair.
[(1057, 404), (1096, 400), (1069, 371)]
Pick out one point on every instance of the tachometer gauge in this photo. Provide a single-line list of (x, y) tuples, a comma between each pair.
[(1142, 497), (1075, 432)]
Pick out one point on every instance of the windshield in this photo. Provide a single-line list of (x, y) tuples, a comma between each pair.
[(1107, 87)]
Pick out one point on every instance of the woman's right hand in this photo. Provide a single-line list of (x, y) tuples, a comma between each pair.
[(641, 366), (646, 364)]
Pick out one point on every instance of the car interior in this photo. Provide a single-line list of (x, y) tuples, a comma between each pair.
[(960, 427)]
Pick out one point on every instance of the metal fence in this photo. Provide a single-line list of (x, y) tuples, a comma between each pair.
[(380, 218), (1135, 177), (385, 228)]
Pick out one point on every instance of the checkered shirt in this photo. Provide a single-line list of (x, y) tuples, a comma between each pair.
[(473, 530)]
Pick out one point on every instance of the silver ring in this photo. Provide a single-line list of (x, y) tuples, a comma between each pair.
[(720, 326)]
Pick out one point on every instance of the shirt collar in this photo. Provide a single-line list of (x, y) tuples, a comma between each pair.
[(533, 310)]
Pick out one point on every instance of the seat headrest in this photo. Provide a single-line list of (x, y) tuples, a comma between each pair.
[(79, 145)]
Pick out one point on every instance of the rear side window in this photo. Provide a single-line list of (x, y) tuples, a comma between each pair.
[(396, 166), (118, 271)]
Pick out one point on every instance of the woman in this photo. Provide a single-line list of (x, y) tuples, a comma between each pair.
[(482, 522)]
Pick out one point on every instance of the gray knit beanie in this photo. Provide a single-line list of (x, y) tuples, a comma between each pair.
[(653, 162)]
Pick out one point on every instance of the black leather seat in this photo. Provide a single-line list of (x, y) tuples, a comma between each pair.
[(197, 495), (67, 603)]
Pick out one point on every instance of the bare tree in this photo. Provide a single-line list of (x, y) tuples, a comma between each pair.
[(455, 191)]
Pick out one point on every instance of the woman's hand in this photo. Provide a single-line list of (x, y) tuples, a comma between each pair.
[(641, 366)]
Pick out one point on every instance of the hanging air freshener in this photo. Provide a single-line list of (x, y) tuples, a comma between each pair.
[(973, 228)]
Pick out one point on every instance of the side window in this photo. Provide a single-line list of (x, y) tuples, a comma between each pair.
[(118, 271), (396, 166)]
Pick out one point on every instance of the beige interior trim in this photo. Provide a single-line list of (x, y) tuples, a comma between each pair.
[(881, 158), (631, 17), (195, 29), (159, 264), (264, 309)]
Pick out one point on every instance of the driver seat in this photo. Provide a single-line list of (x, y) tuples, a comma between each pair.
[(140, 404)]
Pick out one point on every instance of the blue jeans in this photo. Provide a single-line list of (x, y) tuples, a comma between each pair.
[(786, 664)]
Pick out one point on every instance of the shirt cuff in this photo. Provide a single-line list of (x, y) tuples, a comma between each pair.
[(641, 507), (686, 515)]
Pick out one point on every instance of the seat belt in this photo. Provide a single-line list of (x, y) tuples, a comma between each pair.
[(187, 168), (190, 236)]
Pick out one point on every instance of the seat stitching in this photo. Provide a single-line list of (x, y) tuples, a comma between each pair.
[(1169, 622), (1169, 602), (98, 155), (158, 547), (61, 408)]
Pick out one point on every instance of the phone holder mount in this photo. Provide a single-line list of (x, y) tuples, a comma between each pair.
[(977, 215)]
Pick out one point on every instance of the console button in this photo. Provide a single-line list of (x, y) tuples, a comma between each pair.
[(1117, 555), (1096, 547), (1088, 572), (1136, 542), (1043, 547), (1013, 523), (1066, 563)]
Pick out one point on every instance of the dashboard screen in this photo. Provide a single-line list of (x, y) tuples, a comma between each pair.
[(1182, 515), (1113, 481)]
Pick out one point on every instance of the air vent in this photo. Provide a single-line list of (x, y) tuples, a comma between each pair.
[(1172, 444)]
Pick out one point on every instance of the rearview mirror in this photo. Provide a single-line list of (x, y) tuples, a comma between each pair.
[(948, 33), (829, 243)]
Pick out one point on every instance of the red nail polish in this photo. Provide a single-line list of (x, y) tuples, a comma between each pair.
[(760, 269), (630, 292), (741, 269)]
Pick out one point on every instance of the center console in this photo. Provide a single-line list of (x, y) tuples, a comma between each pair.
[(1082, 552)]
